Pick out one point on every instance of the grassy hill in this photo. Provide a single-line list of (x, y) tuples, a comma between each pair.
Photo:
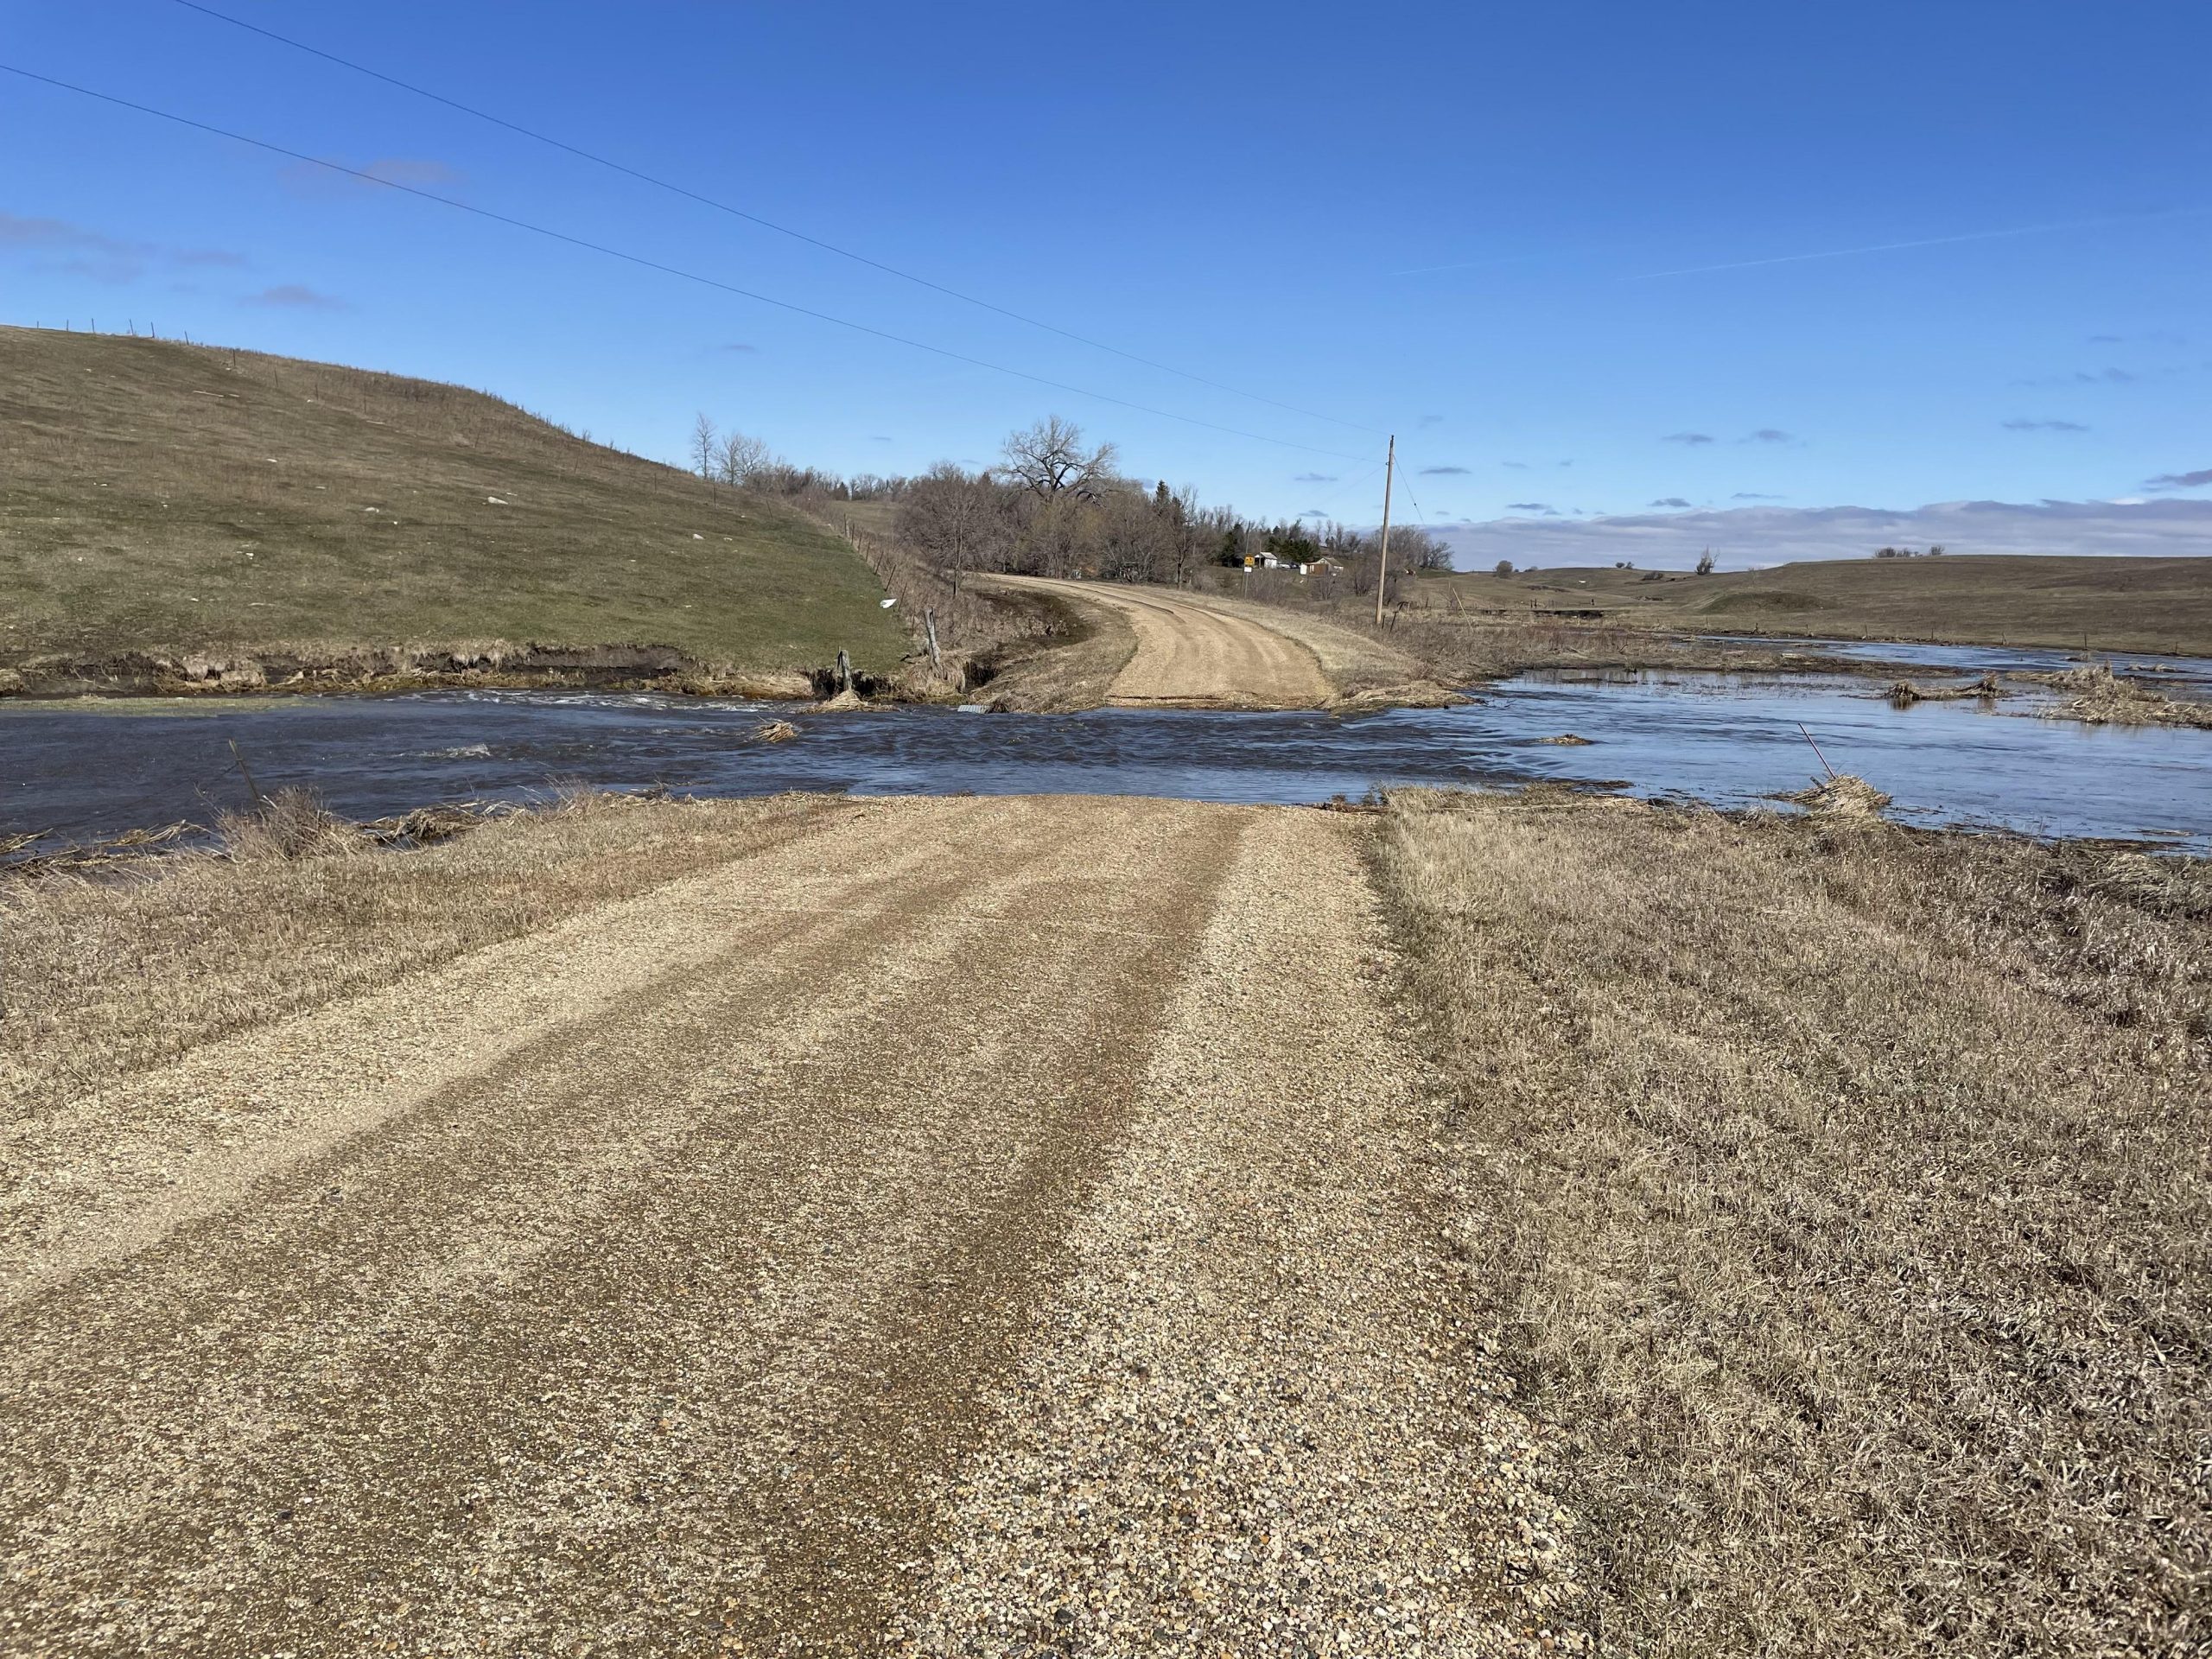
[(2115, 604), (162, 498)]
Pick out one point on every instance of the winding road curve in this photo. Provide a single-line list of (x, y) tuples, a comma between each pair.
[(965, 1226), (1191, 655)]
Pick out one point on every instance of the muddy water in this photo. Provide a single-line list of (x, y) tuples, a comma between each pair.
[(83, 769)]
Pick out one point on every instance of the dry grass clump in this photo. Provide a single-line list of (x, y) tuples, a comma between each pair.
[(1841, 794), (1841, 1203), (775, 731), (99, 979), (2100, 697), (290, 823)]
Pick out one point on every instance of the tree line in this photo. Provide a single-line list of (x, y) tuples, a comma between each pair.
[(1056, 504)]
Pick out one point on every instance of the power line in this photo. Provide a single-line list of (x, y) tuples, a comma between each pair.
[(689, 194), (1415, 499), (666, 270)]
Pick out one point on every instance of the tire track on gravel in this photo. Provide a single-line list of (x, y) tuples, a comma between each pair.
[(655, 1328), (1191, 656)]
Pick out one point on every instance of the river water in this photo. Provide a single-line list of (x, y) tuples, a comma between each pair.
[(85, 769)]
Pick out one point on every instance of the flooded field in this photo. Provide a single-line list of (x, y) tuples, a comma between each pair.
[(81, 770), (2179, 676)]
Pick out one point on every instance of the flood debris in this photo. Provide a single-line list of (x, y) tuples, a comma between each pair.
[(1841, 794), (21, 854), (1568, 741), (1905, 693), (2100, 697), (775, 731), (1411, 694)]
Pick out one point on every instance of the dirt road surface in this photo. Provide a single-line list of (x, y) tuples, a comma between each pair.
[(967, 1226), (1194, 655)]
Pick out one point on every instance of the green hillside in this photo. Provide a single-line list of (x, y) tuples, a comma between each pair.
[(156, 497)]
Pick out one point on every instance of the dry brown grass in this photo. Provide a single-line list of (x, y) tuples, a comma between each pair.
[(2079, 602), (1841, 1196), (975, 621), (2097, 697), (1841, 794), (99, 978), (290, 823), (1427, 637)]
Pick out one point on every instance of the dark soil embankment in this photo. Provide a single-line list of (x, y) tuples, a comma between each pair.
[(365, 669)]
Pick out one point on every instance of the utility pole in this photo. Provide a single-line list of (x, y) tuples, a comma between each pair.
[(1382, 555)]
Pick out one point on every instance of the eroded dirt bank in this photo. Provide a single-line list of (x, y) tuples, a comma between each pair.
[(904, 1227)]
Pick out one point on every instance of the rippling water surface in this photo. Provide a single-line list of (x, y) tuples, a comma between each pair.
[(82, 770)]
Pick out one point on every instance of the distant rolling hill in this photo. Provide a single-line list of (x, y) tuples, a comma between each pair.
[(2109, 604), (180, 500)]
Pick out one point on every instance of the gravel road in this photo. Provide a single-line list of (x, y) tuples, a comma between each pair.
[(1192, 655), (969, 1226)]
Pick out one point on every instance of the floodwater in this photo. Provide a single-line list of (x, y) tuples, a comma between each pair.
[(82, 769), (2183, 677)]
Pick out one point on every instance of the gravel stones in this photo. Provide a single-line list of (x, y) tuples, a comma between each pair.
[(1251, 1421)]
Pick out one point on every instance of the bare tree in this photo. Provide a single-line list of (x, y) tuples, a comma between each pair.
[(1431, 552), (702, 445), (1503, 568), (1049, 460), (954, 519), (1414, 549), (740, 459)]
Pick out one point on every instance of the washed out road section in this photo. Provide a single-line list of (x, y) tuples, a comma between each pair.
[(771, 1262)]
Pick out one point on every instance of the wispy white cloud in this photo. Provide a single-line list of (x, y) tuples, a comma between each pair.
[(297, 296), (2195, 481), (59, 244)]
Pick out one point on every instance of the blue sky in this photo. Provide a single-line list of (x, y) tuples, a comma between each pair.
[(1556, 248)]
